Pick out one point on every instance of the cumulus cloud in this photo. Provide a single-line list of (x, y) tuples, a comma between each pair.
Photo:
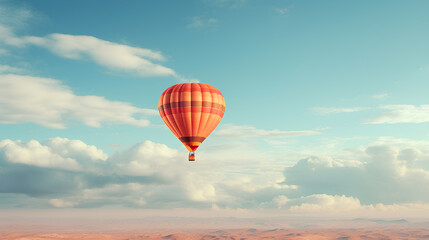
[(324, 202), (35, 154), (148, 159), (49, 103), (69, 173), (251, 190), (333, 110), (384, 174), (401, 114), (250, 131), (59, 167), (60, 153), (200, 192), (148, 175), (341, 205), (281, 201), (75, 149)]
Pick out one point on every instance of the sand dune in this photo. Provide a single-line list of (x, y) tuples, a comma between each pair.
[(68, 226), (234, 234)]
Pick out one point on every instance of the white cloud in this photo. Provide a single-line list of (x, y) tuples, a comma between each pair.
[(114, 56), (75, 149), (153, 175), (187, 80), (60, 203), (380, 174), (333, 110), (341, 205), (147, 159), (128, 194), (79, 174), (380, 96), (5, 32), (281, 200), (60, 153), (12, 19), (401, 114), (166, 165), (198, 192), (35, 154), (10, 69), (147, 175), (48, 102), (199, 22), (250, 131), (324, 202)]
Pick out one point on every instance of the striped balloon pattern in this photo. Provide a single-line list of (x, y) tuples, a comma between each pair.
[(191, 111)]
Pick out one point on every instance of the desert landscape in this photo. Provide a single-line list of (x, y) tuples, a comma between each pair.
[(213, 228), (234, 234)]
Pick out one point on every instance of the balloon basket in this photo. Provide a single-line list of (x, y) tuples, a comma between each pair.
[(191, 156)]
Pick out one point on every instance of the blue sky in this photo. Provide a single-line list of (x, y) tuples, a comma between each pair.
[(315, 91)]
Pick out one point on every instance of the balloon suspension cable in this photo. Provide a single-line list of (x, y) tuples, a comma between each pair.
[(191, 156)]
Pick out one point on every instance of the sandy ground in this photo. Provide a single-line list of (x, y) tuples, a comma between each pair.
[(82, 225), (232, 234)]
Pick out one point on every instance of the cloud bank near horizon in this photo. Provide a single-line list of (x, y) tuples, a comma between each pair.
[(68, 173)]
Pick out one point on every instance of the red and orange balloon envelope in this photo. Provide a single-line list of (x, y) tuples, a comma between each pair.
[(191, 111)]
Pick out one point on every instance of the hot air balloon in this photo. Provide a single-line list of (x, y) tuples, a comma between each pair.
[(191, 111)]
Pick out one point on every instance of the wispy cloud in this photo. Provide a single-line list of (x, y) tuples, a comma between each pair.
[(250, 131), (114, 56), (380, 96), (10, 69), (12, 19), (187, 80), (424, 68), (334, 110), (60, 203), (281, 10), (50, 103), (401, 114), (119, 57), (227, 3), (199, 22)]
